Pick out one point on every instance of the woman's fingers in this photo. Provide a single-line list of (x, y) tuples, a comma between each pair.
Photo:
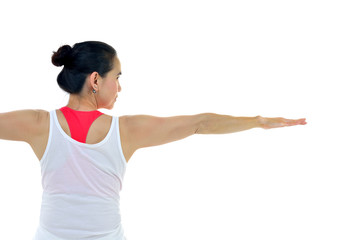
[(268, 123), (292, 122)]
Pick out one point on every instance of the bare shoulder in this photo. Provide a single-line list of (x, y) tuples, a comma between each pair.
[(42, 121), (39, 125), (43, 115)]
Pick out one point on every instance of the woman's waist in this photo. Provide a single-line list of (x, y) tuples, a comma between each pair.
[(89, 212)]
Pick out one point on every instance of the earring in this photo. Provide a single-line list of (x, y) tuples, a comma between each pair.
[(94, 91)]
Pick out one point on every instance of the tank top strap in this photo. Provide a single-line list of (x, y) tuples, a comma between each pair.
[(79, 122)]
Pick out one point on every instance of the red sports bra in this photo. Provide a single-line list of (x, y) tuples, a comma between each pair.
[(79, 122)]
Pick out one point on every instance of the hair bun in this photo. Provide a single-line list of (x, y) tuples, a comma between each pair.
[(62, 56)]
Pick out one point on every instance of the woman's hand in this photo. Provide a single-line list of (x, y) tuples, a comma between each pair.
[(268, 123)]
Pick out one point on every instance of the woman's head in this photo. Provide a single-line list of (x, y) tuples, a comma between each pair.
[(91, 71), (81, 60)]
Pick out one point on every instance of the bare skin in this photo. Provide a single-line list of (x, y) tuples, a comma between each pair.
[(136, 131)]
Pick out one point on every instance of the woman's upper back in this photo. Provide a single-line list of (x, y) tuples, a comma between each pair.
[(97, 131), (88, 127)]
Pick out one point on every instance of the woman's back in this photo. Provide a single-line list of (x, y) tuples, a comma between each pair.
[(81, 184)]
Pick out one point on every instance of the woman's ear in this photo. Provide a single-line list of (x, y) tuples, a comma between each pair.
[(94, 80)]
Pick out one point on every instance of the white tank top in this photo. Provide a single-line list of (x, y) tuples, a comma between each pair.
[(81, 185)]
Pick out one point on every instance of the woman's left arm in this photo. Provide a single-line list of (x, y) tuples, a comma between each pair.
[(20, 125)]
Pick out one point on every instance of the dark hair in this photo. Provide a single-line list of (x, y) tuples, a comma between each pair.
[(82, 59)]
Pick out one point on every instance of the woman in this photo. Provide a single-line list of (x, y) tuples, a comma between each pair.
[(83, 153)]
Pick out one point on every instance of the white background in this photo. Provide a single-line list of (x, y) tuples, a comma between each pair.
[(240, 58)]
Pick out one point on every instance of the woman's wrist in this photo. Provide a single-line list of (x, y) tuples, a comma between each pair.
[(259, 122)]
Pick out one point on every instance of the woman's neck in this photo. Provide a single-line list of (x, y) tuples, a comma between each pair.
[(79, 103)]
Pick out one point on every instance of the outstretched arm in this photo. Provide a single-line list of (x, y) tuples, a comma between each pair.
[(139, 131), (221, 124)]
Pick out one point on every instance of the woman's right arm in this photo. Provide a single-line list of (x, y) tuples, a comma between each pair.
[(139, 131)]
